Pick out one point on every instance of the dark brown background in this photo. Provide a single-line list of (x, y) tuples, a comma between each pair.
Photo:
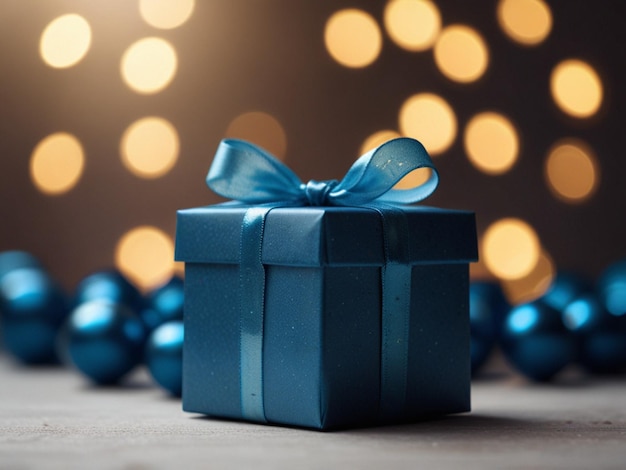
[(240, 55)]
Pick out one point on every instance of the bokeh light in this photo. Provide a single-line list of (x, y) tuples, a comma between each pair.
[(461, 54), (534, 284), (149, 65), (353, 38), (65, 41), (261, 129), (166, 14), (572, 171), (576, 88), (412, 24), (491, 143), (57, 163), (429, 119), (150, 147), (378, 138), (146, 255), (527, 22), (510, 248)]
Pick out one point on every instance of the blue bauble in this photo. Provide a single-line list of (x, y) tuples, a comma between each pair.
[(601, 335), (164, 303), (103, 340), (536, 342), (11, 260), (109, 285), (565, 287), (612, 288), (33, 308), (164, 356), (487, 307)]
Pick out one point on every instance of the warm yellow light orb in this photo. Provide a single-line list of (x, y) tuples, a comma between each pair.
[(377, 139), (353, 38), (461, 54), (260, 128), (576, 88), (149, 65), (149, 147), (527, 22), (491, 143), (572, 171), (412, 24), (429, 119), (57, 163), (65, 41), (534, 284), (166, 14), (146, 255), (510, 248)]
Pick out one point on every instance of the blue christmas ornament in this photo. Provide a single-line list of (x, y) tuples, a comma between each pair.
[(164, 304), (536, 342), (164, 356), (487, 307), (601, 336), (109, 285), (565, 287), (11, 260), (612, 288), (33, 307), (104, 340)]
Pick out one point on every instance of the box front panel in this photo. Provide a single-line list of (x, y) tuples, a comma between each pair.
[(211, 346), (439, 364), (292, 345)]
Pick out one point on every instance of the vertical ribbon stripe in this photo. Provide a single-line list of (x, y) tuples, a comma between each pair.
[(252, 292), (396, 304)]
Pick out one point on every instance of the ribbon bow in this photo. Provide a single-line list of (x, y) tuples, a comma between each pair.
[(244, 172)]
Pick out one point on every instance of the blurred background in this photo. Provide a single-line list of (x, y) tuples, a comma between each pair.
[(110, 113)]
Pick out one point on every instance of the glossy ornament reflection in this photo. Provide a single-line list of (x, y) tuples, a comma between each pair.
[(601, 336), (487, 307), (103, 340), (108, 285), (565, 287), (32, 308), (164, 356), (164, 304), (612, 288), (536, 342)]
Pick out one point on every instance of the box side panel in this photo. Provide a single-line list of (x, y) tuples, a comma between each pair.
[(211, 345), (291, 347), (439, 356), (351, 346)]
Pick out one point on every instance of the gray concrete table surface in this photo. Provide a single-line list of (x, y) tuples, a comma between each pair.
[(51, 418)]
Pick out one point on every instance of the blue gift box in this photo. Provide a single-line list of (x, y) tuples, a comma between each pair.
[(309, 319)]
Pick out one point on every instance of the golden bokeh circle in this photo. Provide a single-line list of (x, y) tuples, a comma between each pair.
[(572, 171), (412, 24), (149, 65), (430, 119), (491, 142), (527, 22), (166, 14), (576, 88), (353, 38), (65, 41), (57, 163), (461, 54), (260, 128)]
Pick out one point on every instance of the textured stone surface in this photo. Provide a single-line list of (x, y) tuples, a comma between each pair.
[(50, 418)]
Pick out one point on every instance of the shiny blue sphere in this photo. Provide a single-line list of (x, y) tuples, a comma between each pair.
[(487, 307), (11, 260), (108, 285), (536, 342), (611, 288), (33, 308), (164, 356), (103, 340), (164, 303), (565, 287), (601, 335)]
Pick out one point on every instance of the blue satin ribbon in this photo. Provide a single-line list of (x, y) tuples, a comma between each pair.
[(248, 174)]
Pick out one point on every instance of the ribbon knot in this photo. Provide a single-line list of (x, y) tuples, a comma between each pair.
[(317, 191), (244, 172)]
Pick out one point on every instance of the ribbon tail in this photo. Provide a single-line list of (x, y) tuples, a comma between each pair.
[(252, 292)]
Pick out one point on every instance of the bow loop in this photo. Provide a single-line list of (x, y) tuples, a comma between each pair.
[(246, 173)]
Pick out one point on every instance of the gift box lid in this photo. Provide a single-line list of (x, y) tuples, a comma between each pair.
[(318, 236)]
